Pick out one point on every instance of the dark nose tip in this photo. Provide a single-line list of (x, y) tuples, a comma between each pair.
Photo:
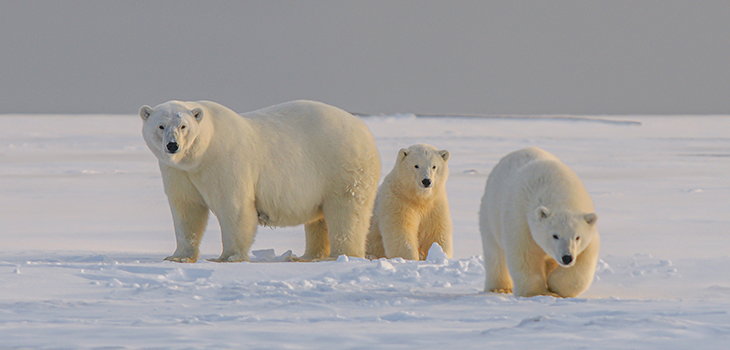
[(172, 147), (567, 259), (426, 183)]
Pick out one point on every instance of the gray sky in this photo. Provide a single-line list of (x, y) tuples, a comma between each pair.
[(472, 57)]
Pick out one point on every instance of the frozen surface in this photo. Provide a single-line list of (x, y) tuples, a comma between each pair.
[(84, 225)]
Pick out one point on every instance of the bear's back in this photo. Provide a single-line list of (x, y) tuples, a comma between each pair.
[(303, 115), (546, 180), (510, 169), (527, 176), (307, 151), (326, 130)]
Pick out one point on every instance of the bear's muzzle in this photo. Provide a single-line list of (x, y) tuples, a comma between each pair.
[(172, 147)]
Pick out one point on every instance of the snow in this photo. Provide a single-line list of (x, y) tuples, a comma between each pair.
[(84, 226)]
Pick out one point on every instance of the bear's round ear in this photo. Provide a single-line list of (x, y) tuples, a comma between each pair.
[(591, 218), (402, 154), (145, 112), (542, 213), (445, 155), (197, 113)]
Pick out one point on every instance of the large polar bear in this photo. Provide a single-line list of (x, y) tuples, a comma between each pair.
[(412, 210), (299, 162), (538, 227)]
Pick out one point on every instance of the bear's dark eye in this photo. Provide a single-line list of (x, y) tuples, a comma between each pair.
[(162, 127), (577, 238), (555, 237), (182, 127), (433, 167), (416, 166)]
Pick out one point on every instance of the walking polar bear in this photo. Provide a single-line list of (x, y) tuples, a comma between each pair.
[(411, 209), (300, 162), (538, 227)]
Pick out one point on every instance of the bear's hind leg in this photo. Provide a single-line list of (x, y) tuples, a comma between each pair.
[(317, 241), (347, 226)]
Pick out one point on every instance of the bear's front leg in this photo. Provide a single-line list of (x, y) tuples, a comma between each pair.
[(497, 276), (189, 214), (526, 265), (436, 227), (238, 228), (400, 235), (571, 281), (190, 220)]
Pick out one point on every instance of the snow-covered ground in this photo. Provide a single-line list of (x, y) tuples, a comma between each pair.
[(84, 225)]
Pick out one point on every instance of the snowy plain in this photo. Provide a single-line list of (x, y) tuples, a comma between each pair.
[(84, 226)]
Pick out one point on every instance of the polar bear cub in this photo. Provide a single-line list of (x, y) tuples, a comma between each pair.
[(300, 162), (538, 227), (411, 209)]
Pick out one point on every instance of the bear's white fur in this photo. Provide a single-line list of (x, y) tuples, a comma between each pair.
[(299, 162), (538, 227), (412, 210)]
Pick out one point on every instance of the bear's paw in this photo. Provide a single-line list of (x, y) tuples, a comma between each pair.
[(230, 258), (181, 259), (501, 291)]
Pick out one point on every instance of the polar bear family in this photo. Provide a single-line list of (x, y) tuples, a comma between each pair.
[(309, 163)]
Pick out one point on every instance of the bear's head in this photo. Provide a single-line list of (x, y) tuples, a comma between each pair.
[(423, 166), (562, 234), (171, 130)]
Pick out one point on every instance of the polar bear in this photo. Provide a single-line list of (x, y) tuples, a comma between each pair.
[(538, 227), (411, 209), (300, 162)]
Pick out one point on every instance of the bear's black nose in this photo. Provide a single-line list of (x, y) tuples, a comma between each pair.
[(172, 147), (426, 183), (567, 259)]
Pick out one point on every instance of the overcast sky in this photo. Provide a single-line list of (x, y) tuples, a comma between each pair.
[(473, 57)]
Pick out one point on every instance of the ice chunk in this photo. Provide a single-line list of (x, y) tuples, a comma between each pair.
[(384, 265), (264, 255), (436, 254)]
